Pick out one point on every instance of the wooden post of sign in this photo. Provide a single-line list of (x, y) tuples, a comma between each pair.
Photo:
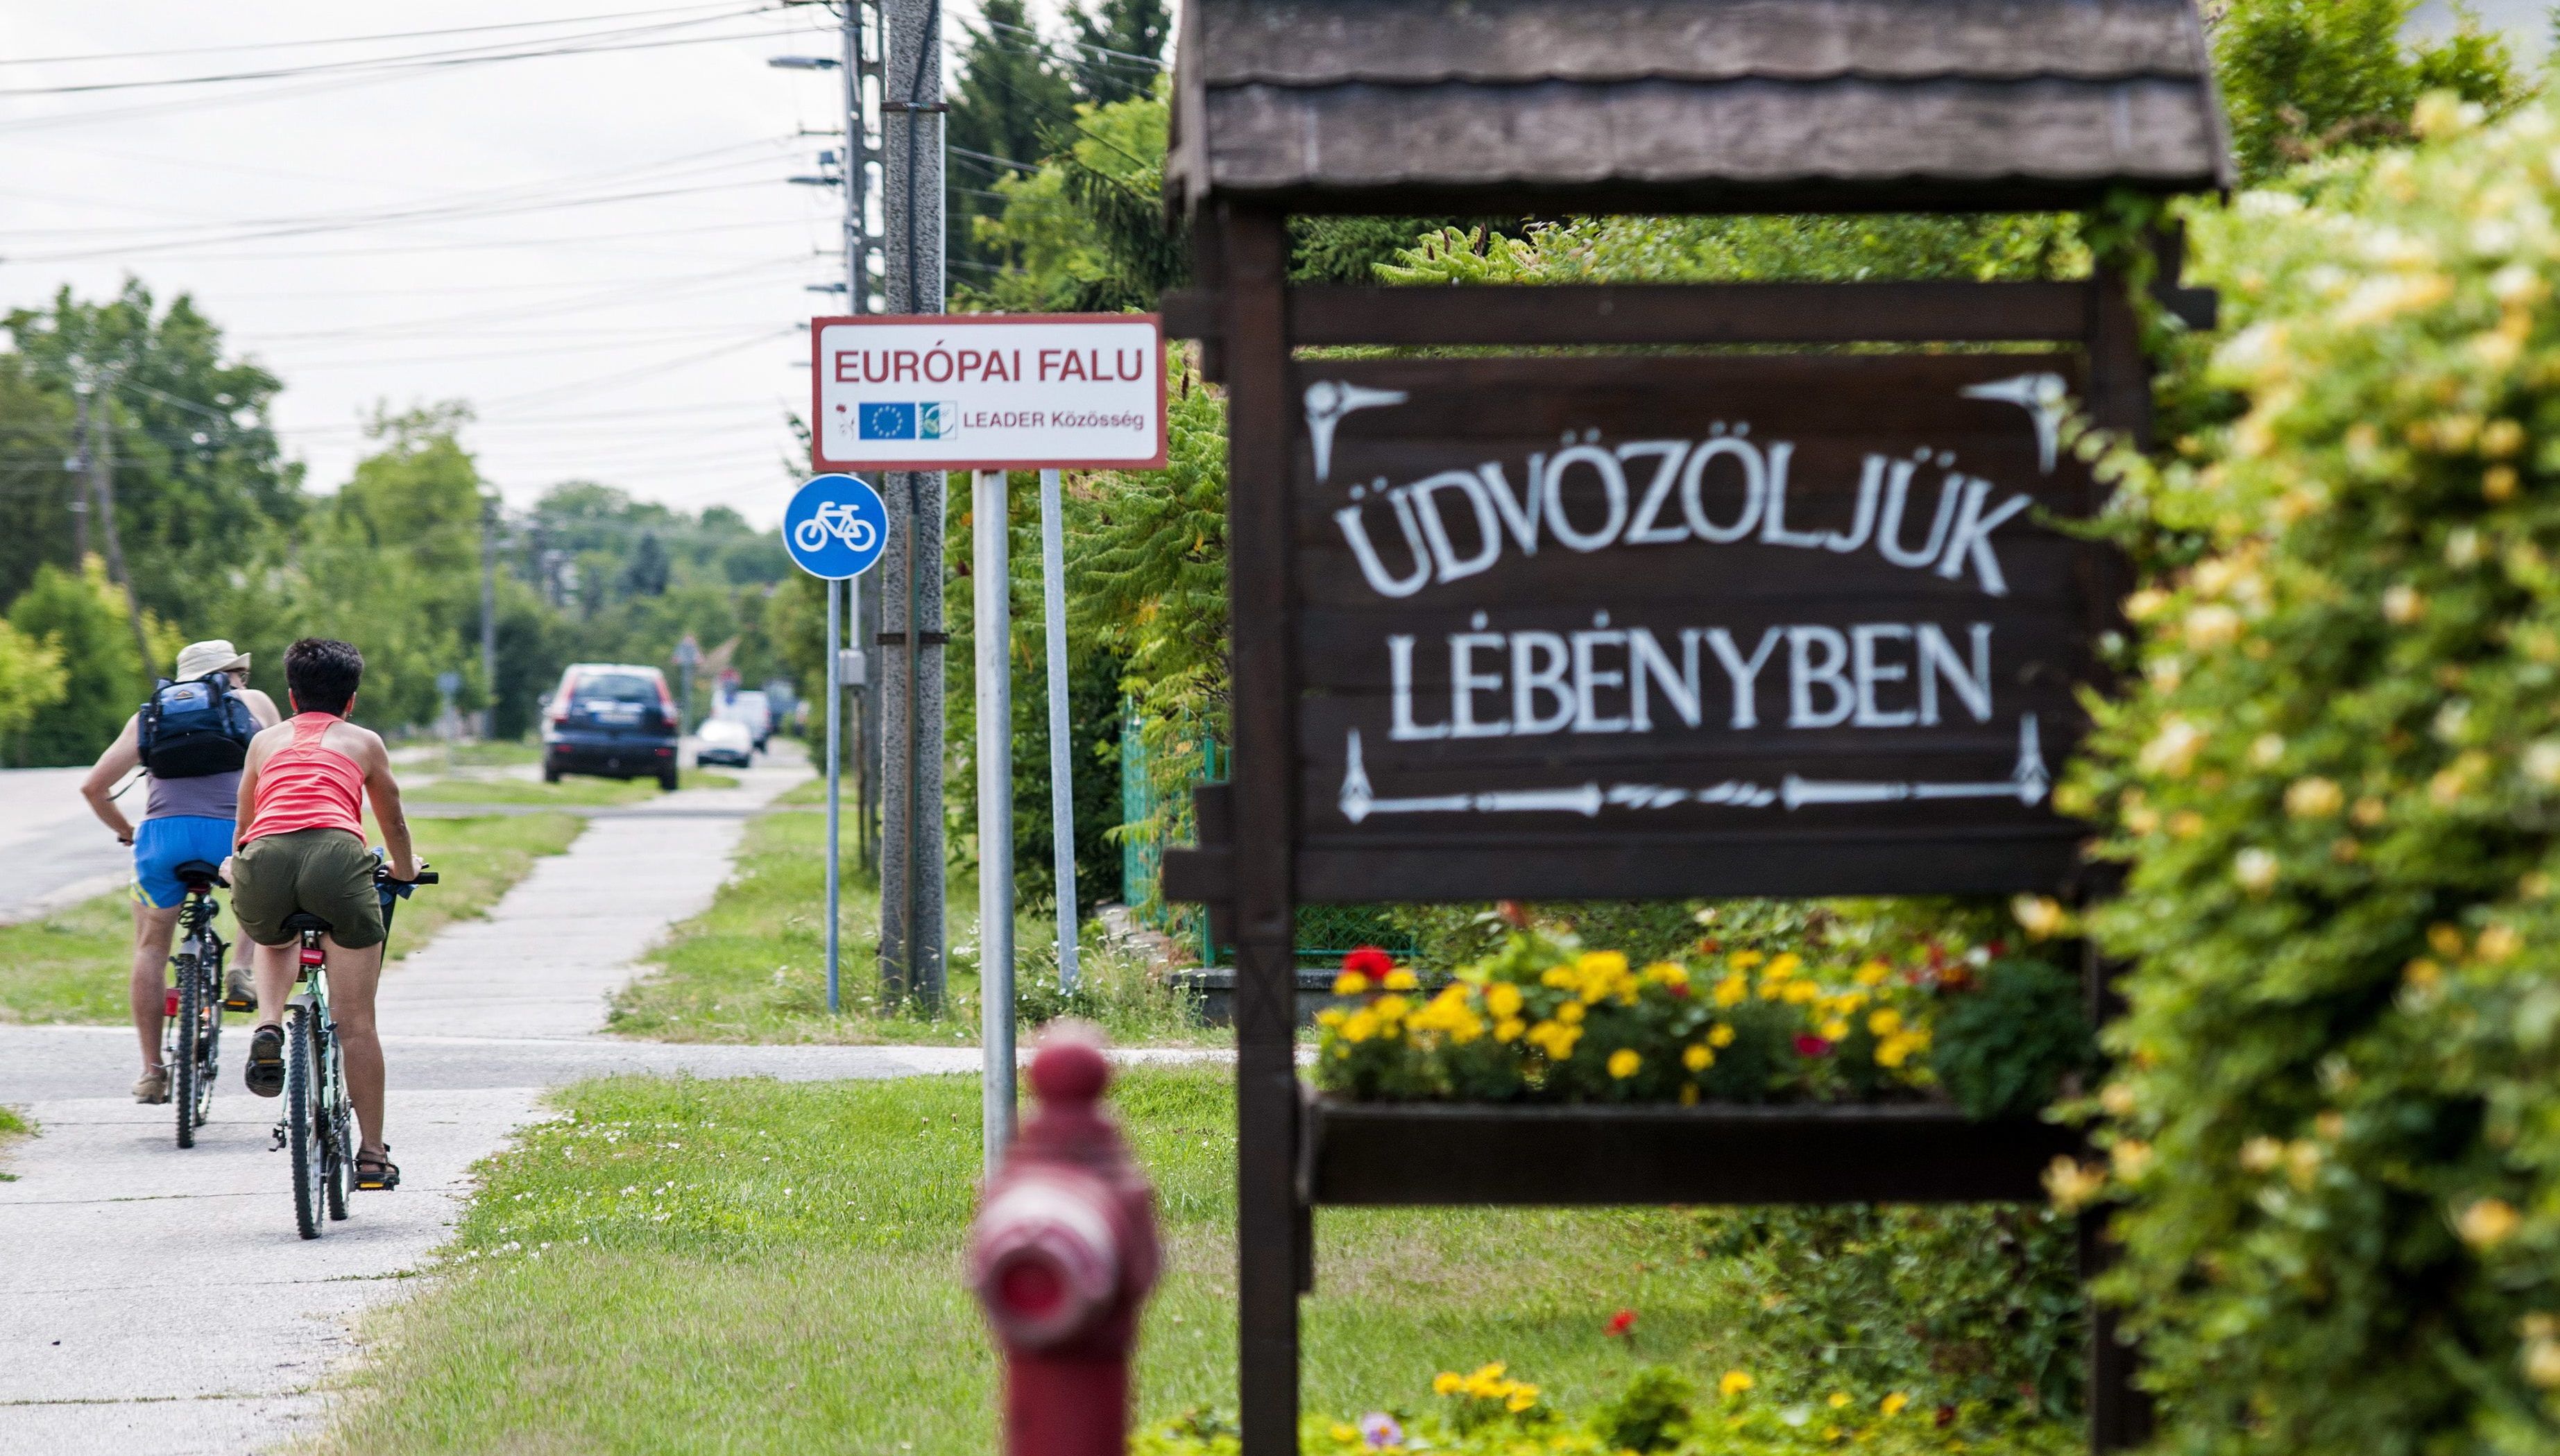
[(2120, 400), (1254, 249)]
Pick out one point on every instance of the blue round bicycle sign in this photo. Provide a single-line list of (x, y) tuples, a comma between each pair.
[(835, 527)]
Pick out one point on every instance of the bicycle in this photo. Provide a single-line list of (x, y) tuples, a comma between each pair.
[(195, 1004), (319, 1123), (839, 520)]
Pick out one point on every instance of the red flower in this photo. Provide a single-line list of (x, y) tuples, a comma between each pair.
[(1808, 1044), (1513, 914), (1622, 1325), (1369, 961), (1946, 1416), (1998, 948), (1679, 989)]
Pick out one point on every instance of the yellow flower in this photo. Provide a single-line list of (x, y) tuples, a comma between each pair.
[(1624, 1062), (1664, 973), (2040, 916), (1349, 983), (2487, 1222), (1800, 991), (1344, 1432), (1722, 1036), (1559, 977), (2133, 1159), (1359, 1025), (1885, 1022), (1874, 973), (2072, 1186), (2313, 798), (1570, 1013), (1502, 998), (1731, 989), (1447, 1383), (1391, 1008), (1837, 1400), (1332, 1016), (1896, 1049), (2497, 942), (1521, 1399), (2261, 1153), (1733, 1384), (1508, 1028), (1892, 1404), (1787, 964), (1608, 963), (1698, 1058), (1835, 1029), (1400, 979), (1743, 960)]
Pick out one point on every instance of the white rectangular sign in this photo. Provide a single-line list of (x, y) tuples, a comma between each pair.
[(989, 391)]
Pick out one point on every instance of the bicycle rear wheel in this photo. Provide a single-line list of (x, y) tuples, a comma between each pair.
[(191, 1091), (305, 1136), (341, 1154)]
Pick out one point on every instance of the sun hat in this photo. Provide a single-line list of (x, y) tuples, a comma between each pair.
[(197, 659)]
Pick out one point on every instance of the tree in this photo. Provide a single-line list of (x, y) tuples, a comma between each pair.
[(1011, 101), (32, 678), (80, 620), (2305, 77), (1119, 49), (200, 484), (645, 574)]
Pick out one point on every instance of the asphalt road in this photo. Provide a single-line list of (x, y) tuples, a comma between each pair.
[(53, 850)]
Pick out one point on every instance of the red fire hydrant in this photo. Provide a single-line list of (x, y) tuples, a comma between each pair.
[(1063, 1256)]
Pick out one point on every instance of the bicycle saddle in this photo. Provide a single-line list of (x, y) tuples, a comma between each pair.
[(301, 921), (200, 875)]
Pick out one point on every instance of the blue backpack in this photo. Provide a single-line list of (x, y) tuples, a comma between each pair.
[(195, 729)]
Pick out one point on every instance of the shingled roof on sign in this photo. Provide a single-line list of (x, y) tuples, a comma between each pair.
[(1407, 105)]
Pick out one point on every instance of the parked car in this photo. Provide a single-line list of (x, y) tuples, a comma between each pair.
[(612, 720), (755, 711), (724, 741)]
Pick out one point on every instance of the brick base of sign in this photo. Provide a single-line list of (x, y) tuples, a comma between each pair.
[(1377, 1153)]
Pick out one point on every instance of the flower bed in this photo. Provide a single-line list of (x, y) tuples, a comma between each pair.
[(1544, 1020), (1661, 1413)]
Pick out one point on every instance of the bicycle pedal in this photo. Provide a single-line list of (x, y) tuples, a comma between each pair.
[(276, 1138)]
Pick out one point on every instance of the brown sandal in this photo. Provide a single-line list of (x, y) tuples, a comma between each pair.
[(376, 1171)]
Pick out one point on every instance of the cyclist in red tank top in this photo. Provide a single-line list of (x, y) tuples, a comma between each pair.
[(302, 849)]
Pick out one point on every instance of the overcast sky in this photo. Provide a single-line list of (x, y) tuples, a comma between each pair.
[(600, 253)]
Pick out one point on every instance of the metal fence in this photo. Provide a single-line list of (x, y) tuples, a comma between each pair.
[(1325, 932)]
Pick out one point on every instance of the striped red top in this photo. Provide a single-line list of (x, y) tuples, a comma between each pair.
[(304, 785)]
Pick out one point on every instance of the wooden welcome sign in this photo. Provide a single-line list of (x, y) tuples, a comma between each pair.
[(1613, 627), (1622, 611)]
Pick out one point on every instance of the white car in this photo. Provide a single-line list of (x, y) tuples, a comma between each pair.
[(724, 741), (755, 711)]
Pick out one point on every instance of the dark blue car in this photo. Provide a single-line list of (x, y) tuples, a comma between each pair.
[(612, 720)]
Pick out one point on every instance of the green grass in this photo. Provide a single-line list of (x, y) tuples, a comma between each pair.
[(447, 757), (15, 1126), (752, 967), (780, 1263), (70, 966), (581, 792)]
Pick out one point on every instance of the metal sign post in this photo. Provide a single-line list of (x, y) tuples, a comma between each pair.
[(1062, 781), (992, 625), (835, 528)]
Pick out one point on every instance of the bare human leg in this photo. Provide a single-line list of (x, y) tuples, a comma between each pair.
[(153, 930), (352, 975)]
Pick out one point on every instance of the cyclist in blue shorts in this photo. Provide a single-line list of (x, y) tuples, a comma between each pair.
[(183, 741)]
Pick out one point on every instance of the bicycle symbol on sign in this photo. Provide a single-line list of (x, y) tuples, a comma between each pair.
[(836, 519)]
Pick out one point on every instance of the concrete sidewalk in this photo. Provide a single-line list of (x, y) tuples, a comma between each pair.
[(156, 1301)]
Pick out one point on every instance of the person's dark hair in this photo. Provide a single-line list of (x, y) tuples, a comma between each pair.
[(323, 673)]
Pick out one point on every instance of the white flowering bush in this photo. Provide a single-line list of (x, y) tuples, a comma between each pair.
[(2336, 1129)]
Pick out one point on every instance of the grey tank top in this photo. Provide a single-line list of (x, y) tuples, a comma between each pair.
[(213, 796)]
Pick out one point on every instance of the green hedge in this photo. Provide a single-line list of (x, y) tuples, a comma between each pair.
[(2336, 783)]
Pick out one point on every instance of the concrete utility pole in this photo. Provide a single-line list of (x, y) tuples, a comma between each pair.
[(489, 617), (77, 469), (97, 447), (910, 677)]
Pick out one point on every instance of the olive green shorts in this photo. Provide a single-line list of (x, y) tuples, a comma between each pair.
[(323, 871)]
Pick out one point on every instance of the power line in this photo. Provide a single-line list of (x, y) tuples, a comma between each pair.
[(424, 61), (347, 40)]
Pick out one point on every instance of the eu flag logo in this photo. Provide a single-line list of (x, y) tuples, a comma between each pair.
[(888, 422)]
